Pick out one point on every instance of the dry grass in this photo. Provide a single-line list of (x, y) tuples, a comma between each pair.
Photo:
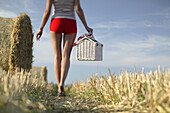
[(128, 92), (22, 93), (39, 72)]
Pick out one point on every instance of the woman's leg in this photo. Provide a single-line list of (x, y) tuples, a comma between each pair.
[(67, 47), (56, 42)]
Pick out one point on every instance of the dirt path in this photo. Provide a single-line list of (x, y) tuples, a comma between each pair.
[(67, 104), (70, 105)]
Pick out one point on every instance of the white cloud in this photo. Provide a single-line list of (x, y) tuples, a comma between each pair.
[(149, 46), (131, 24), (13, 8), (151, 43), (165, 13), (28, 4), (147, 60), (122, 24), (159, 40), (6, 13)]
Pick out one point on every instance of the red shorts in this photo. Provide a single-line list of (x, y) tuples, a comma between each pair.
[(63, 25)]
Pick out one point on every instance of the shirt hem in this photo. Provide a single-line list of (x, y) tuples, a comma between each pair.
[(64, 17)]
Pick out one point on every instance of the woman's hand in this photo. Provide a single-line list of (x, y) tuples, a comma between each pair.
[(39, 34), (89, 30)]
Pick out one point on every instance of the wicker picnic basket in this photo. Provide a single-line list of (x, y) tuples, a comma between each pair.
[(89, 49)]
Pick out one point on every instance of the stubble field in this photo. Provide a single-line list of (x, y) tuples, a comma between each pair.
[(127, 92)]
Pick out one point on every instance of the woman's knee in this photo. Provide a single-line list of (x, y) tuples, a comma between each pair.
[(65, 56), (58, 57)]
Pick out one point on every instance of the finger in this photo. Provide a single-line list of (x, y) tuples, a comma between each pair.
[(38, 37), (91, 31)]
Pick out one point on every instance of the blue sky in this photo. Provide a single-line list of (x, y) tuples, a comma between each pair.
[(132, 31)]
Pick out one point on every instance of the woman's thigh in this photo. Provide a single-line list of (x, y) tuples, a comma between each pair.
[(56, 42), (68, 44)]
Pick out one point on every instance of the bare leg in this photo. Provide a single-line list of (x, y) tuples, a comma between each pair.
[(67, 47), (56, 42)]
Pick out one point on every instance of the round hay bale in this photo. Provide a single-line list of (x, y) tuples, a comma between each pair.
[(16, 42), (44, 73), (39, 72)]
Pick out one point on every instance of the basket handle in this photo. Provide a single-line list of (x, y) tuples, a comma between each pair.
[(91, 35)]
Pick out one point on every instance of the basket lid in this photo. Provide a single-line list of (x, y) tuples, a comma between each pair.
[(89, 37)]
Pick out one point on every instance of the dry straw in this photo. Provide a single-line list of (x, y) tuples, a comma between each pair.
[(16, 42), (40, 72), (128, 92), (44, 73), (22, 91)]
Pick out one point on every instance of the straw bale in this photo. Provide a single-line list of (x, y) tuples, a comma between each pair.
[(16, 42), (6, 27), (44, 73), (39, 72)]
